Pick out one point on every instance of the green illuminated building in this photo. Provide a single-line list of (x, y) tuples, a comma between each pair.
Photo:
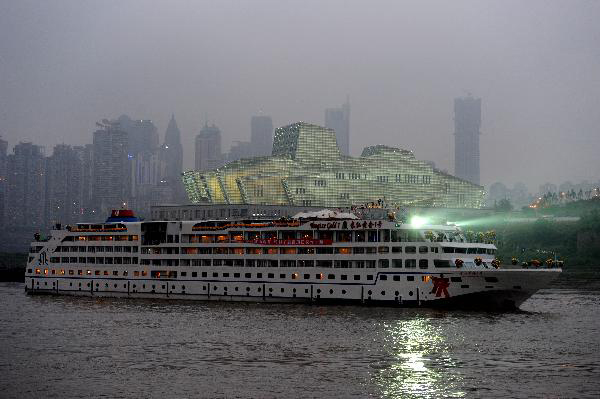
[(307, 169)]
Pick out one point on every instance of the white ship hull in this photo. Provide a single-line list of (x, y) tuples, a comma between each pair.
[(512, 288)]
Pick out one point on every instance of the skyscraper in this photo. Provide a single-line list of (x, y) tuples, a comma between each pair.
[(142, 134), (338, 119), (3, 149), (111, 173), (208, 148), (26, 169), (86, 155), (261, 135), (173, 151), (64, 185), (467, 122)]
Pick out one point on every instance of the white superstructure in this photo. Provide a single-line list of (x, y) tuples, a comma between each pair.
[(317, 257)]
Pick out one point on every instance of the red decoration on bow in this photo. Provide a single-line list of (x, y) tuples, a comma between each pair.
[(440, 286)]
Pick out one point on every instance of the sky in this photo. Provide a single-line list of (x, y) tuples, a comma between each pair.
[(536, 66)]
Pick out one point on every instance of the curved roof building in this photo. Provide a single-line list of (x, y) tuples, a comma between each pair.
[(306, 168)]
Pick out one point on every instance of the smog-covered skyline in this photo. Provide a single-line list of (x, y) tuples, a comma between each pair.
[(66, 65)]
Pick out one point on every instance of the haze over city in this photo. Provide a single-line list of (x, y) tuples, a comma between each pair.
[(66, 65)]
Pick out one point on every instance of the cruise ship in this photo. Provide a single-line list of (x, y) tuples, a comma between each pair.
[(312, 257)]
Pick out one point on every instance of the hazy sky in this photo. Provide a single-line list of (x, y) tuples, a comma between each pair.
[(535, 64)]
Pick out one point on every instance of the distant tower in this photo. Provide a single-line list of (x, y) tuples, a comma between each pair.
[(3, 177), (467, 122), (208, 148), (111, 181), (338, 119), (142, 134), (64, 185), (173, 151), (26, 169), (261, 135)]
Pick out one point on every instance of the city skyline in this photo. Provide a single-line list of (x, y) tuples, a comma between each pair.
[(534, 65)]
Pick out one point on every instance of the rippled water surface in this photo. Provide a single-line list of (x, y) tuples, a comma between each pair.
[(81, 347)]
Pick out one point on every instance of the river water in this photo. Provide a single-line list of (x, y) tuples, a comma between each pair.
[(63, 347)]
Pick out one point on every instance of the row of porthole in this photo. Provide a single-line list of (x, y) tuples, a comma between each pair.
[(236, 289)]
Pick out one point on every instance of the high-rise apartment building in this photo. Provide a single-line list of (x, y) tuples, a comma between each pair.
[(467, 122), (208, 148), (111, 180), (3, 154), (26, 169), (142, 134), (261, 135), (338, 119), (86, 155), (64, 185)]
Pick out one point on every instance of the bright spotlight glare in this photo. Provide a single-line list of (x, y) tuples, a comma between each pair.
[(418, 221)]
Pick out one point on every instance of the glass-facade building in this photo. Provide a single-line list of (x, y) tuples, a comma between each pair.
[(306, 168)]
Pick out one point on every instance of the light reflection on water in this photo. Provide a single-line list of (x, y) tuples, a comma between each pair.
[(419, 365)]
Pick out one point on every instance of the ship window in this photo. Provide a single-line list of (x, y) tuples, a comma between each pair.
[(194, 274), (396, 278), (344, 277), (357, 277), (410, 278), (396, 249), (115, 273), (204, 274), (369, 277), (97, 272), (423, 250), (215, 275), (410, 263), (448, 250), (271, 275), (383, 277), (384, 263), (423, 263), (372, 235), (248, 275), (491, 279), (397, 263), (258, 275), (225, 274), (236, 275), (410, 250), (331, 276), (441, 263), (456, 279), (384, 250), (384, 235), (183, 274), (306, 276), (282, 275)]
